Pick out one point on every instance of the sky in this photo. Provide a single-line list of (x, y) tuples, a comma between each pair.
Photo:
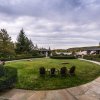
[(56, 23)]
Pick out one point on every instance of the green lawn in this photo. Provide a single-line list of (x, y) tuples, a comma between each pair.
[(28, 74)]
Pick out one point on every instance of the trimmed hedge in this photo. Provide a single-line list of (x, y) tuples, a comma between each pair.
[(20, 57), (63, 57), (92, 57), (8, 79)]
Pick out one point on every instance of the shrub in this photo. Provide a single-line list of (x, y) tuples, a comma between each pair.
[(3, 62), (1, 70), (63, 71), (8, 79)]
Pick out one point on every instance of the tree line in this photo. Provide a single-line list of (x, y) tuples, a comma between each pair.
[(22, 46)]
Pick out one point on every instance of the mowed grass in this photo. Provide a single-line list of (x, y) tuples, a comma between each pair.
[(28, 74)]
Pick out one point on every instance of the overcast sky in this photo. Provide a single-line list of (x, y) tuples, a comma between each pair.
[(54, 23)]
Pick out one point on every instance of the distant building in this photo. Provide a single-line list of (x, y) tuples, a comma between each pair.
[(94, 50), (63, 53), (46, 52), (81, 51)]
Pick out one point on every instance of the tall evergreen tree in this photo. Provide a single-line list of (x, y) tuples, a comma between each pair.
[(23, 45), (21, 42), (6, 45)]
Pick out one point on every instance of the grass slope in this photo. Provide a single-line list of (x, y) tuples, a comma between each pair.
[(28, 74)]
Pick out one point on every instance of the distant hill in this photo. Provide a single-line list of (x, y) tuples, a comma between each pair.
[(76, 49)]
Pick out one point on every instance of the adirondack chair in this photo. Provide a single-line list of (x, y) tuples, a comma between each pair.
[(72, 70), (63, 71), (42, 71), (52, 71)]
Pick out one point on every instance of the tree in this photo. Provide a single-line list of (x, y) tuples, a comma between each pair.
[(23, 45), (6, 45), (31, 45), (21, 42)]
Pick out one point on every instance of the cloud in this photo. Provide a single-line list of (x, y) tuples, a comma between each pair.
[(55, 23)]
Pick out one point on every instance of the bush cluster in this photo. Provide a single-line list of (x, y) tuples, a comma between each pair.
[(63, 57), (8, 77)]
